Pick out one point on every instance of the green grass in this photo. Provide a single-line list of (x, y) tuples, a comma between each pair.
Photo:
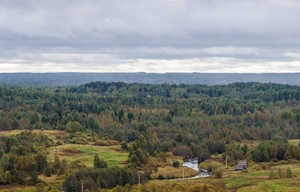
[(85, 154), (218, 156), (276, 185), (294, 141), (238, 182), (258, 180)]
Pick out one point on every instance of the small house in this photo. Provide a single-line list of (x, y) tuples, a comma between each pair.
[(241, 165)]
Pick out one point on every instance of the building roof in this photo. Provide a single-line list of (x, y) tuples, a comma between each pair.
[(241, 165), (242, 162)]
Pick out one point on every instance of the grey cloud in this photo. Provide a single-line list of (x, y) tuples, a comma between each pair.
[(140, 22), (127, 30)]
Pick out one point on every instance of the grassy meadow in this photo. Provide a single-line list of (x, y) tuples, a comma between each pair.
[(294, 141), (81, 153), (84, 154)]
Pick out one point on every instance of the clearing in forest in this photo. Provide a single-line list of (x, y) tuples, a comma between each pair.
[(84, 154)]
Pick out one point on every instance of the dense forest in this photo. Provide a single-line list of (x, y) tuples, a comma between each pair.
[(67, 79), (148, 120)]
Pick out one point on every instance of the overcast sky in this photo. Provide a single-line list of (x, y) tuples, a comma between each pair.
[(150, 35)]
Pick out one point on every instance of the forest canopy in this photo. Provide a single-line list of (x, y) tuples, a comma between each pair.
[(123, 111)]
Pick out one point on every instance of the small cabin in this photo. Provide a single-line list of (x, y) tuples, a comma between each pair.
[(241, 165)]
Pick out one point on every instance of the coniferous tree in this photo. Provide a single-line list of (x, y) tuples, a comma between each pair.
[(99, 163)]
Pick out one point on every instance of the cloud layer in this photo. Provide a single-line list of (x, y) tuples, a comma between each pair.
[(151, 36)]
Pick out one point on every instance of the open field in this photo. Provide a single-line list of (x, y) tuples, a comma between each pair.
[(84, 154), (257, 179), (294, 141)]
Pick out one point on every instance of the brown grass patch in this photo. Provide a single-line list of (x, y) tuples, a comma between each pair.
[(170, 171), (296, 183), (119, 150), (69, 152)]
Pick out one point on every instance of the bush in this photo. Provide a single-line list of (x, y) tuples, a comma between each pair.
[(160, 177), (99, 163), (155, 169), (58, 137), (59, 143), (289, 173), (218, 174), (102, 143), (124, 145), (210, 168), (176, 164), (48, 171)]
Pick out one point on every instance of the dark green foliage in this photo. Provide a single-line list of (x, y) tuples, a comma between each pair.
[(215, 146), (218, 174), (138, 157), (160, 177), (99, 163), (48, 171), (130, 117), (279, 174), (176, 164), (124, 145), (183, 151), (289, 173), (258, 156), (281, 153), (57, 164), (271, 150), (41, 160), (245, 148), (248, 110), (102, 178), (71, 184), (24, 158)]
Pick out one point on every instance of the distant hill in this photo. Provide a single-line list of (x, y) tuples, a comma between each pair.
[(151, 78)]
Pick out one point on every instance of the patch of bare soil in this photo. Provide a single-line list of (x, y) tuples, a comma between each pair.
[(69, 152)]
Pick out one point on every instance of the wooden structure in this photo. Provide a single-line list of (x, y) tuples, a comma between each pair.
[(241, 165)]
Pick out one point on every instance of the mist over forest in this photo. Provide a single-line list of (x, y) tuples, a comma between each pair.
[(149, 78)]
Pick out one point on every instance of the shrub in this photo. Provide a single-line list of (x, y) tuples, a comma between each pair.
[(218, 174), (124, 145), (160, 177), (182, 151), (289, 173), (48, 171), (155, 169), (176, 164), (101, 143), (59, 143), (99, 163)]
